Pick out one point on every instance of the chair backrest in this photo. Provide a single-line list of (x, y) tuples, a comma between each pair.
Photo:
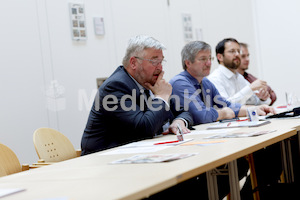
[(2, 171), (52, 146), (9, 162)]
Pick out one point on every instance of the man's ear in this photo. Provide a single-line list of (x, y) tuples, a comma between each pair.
[(220, 57), (187, 63), (133, 62)]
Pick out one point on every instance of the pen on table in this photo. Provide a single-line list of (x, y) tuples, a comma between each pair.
[(229, 124), (241, 120), (179, 133), (272, 131), (229, 120), (168, 142)]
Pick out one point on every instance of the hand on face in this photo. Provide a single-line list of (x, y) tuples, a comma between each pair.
[(161, 88)]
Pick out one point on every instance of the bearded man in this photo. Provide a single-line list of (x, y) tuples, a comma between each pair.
[(230, 83)]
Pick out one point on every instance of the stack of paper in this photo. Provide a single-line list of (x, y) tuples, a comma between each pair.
[(156, 158), (239, 124), (4, 192), (239, 134), (144, 147)]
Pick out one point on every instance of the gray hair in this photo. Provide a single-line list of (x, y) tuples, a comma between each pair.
[(137, 44), (191, 49)]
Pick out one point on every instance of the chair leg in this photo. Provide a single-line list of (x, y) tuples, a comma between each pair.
[(228, 197), (25, 167), (282, 179), (78, 152), (253, 178)]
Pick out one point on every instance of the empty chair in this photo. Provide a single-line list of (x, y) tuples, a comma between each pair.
[(9, 162), (52, 146), (2, 171)]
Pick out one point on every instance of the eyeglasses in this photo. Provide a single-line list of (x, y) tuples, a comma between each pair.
[(154, 62), (245, 55), (204, 59), (234, 51)]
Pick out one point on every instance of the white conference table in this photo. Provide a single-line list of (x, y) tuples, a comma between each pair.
[(91, 177)]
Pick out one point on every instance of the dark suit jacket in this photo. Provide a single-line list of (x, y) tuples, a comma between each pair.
[(109, 125)]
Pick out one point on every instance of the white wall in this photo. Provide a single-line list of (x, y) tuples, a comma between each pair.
[(22, 77), (36, 48), (230, 18), (278, 31)]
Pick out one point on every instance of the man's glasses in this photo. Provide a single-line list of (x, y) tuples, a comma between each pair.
[(204, 59), (154, 62), (234, 51), (245, 56)]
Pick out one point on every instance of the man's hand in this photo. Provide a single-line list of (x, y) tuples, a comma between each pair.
[(264, 110), (225, 113), (161, 88), (173, 127), (258, 84), (263, 94)]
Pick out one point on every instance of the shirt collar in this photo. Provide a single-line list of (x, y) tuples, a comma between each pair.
[(137, 83), (141, 88), (229, 74), (190, 77)]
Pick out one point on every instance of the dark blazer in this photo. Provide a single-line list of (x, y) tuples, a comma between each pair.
[(109, 125)]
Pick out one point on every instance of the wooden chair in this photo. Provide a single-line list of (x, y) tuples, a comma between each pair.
[(9, 162), (52, 146), (253, 178), (2, 171)]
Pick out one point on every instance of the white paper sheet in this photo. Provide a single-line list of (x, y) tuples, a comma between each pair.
[(8, 191), (214, 131), (135, 150), (143, 147), (155, 158)]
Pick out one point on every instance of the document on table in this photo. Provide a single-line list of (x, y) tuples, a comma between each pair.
[(135, 150), (213, 131), (144, 147), (239, 124), (239, 134), (56, 198), (7, 191), (203, 143), (155, 158)]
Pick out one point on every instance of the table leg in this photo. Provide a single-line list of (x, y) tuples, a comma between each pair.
[(287, 161), (298, 133), (212, 185), (234, 180)]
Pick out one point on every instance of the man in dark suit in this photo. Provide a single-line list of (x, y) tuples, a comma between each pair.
[(133, 103)]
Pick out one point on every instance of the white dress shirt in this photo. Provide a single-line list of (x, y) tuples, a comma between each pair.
[(234, 87)]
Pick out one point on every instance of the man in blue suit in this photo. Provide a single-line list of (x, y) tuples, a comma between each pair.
[(134, 102)]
